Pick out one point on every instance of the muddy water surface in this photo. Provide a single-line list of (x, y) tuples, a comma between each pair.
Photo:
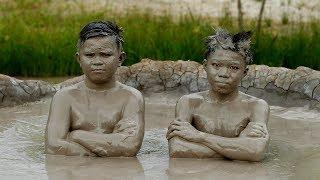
[(294, 150)]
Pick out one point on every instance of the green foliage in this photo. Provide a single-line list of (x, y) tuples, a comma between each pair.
[(37, 42), (285, 19), (298, 46), (268, 22)]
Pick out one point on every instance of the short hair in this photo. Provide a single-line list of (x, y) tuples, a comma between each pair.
[(239, 43), (100, 29)]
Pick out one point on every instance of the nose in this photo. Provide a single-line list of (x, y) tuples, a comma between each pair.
[(223, 73), (97, 62)]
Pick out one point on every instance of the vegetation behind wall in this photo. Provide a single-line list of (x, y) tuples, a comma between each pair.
[(35, 41)]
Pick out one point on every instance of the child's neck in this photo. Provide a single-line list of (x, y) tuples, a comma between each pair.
[(222, 98), (100, 87)]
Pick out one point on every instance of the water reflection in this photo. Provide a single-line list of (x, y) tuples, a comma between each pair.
[(217, 168), (63, 167)]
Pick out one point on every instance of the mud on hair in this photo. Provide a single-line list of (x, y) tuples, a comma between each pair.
[(239, 43), (99, 29)]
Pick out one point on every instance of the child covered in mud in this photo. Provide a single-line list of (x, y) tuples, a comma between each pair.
[(98, 116), (221, 122)]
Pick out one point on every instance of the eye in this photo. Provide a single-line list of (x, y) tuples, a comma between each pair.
[(103, 54), (234, 67), (90, 55), (216, 65)]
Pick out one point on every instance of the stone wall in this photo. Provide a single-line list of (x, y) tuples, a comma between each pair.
[(278, 85), (14, 91)]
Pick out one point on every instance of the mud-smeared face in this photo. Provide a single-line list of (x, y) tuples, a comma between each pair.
[(225, 69), (99, 58)]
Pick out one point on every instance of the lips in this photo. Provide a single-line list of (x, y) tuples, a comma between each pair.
[(98, 70), (221, 83)]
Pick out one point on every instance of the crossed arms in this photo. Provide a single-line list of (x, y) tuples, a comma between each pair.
[(125, 140), (187, 141)]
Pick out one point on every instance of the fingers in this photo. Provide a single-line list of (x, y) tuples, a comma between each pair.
[(100, 152), (173, 128), (257, 129), (256, 133), (178, 122), (173, 133), (260, 128), (253, 134), (176, 127)]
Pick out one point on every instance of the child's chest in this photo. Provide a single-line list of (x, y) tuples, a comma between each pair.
[(227, 121), (99, 115)]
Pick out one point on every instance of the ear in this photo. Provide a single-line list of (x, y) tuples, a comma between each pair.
[(78, 57), (122, 57), (245, 72), (204, 62)]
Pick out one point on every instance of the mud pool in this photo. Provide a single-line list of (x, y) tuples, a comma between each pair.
[(293, 153)]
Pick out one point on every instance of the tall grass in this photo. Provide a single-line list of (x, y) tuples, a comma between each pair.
[(37, 42)]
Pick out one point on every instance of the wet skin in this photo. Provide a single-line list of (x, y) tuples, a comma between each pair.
[(99, 116), (220, 122)]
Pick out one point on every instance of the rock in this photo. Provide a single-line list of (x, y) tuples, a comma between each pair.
[(316, 93), (70, 82), (277, 85), (283, 85), (14, 91)]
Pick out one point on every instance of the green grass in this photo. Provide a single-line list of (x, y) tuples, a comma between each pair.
[(37, 42)]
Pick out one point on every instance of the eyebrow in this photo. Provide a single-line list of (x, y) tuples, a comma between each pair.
[(228, 60), (108, 50)]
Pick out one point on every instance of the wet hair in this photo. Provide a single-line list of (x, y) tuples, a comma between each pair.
[(100, 29), (239, 43)]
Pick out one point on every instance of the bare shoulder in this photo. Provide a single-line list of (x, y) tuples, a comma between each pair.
[(254, 100), (260, 108), (193, 99), (130, 92), (66, 92)]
